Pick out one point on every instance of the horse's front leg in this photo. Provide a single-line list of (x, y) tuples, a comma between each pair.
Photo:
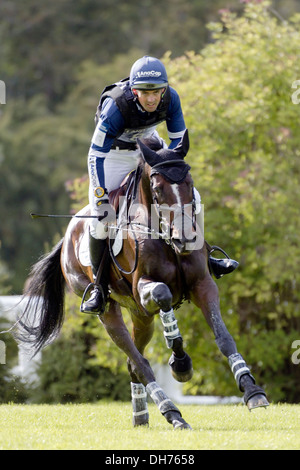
[(142, 332), (205, 295), (140, 369), (156, 297)]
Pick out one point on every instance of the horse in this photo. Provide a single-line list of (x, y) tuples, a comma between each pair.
[(151, 272)]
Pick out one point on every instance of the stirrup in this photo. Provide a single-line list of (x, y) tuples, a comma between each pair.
[(102, 304), (220, 267)]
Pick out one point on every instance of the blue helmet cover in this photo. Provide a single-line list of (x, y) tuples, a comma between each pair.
[(148, 73)]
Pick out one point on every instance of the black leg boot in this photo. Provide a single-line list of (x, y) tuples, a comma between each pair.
[(99, 255)]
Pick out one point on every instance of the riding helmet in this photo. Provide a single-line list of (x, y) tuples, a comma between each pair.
[(148, 73)]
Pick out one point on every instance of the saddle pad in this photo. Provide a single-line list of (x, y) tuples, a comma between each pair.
[(118, 243), (84, 251)]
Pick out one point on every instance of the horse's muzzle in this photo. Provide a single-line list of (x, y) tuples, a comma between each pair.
[(182, 234), (182, 245)]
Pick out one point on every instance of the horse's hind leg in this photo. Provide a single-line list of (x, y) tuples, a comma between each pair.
[(139, 366), (205, 295), (157, 295)]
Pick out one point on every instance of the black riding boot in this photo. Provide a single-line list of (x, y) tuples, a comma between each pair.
[(97, 301), (220, 267)]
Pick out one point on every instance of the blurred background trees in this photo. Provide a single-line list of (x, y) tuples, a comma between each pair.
[(235, 81)]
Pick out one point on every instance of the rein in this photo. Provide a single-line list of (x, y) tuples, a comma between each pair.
[(131, 196), (135, 227)]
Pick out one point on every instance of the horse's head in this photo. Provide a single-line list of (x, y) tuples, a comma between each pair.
[(172, 193)]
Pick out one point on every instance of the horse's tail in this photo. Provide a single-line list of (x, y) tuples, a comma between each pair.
[(43, 314)]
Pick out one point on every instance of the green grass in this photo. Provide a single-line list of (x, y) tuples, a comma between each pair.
[(107, 426)]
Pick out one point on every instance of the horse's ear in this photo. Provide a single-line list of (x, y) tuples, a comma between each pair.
[(149, 155), (183, 147)]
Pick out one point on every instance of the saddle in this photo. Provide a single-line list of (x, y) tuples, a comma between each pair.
[(128, 184)]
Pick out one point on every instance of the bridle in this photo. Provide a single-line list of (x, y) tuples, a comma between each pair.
[(166, 228)]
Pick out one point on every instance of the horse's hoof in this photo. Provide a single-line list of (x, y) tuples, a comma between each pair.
[(257, 401), (174, 417), (137, 425), (181, 368), (180, 424), (142, 420)]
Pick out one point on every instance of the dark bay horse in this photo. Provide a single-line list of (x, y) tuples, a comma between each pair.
[(154, 270)]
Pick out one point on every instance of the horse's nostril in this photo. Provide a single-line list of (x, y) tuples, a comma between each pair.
[(180, 245)]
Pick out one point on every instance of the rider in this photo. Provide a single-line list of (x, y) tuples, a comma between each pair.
[(129, 110)]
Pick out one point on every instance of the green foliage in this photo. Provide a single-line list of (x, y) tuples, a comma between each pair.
[(41, 46), (49, 150), (55, 60), (70, 370), (5, 278), (12, 389), (236, 96), (244, 154)]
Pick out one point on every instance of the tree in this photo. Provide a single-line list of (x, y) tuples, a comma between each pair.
[(41, 151), (236, 96), (244, 155), (48, 56)]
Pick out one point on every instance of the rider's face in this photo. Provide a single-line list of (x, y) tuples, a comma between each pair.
[(149, 99)]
